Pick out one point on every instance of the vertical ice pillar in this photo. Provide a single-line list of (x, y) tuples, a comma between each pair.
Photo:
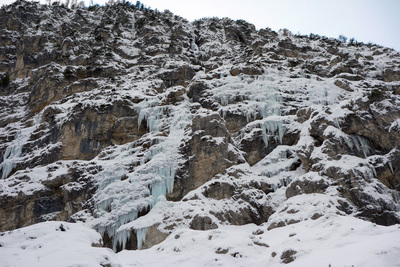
[(14, 151), (272, 128)]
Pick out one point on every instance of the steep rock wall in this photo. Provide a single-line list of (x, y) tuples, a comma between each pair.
[(136, 121)]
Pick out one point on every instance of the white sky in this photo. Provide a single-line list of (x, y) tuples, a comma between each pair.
[(377, 21)]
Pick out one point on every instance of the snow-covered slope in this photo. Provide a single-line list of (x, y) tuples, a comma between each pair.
[(54, 244), (334, 241), (205, 137), (337, 241)]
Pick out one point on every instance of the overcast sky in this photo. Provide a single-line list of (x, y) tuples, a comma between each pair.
[(376, 21)]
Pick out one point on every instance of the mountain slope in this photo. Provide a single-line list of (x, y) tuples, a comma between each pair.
[(143, 125)]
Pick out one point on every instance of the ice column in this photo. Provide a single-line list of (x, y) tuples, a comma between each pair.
[(359, 143), (14, 150), (120, 201), (152, 116), (141, 236), (272, 128)]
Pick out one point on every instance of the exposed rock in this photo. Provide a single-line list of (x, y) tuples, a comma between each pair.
[(288, 256), (234, 122), (387, 172), (222, 250), (197, 90), (371, 123), (219, 190), (153, 237), (390, 75), (248, 70), (202, 223), (306, 186), (92, 129), (344, 85), (178, 76), (350, 77), (209, 145), (62, 197), (255, 147)]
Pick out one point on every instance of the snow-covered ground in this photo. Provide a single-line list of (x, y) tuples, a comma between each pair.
[(328, 241), (53, 244)]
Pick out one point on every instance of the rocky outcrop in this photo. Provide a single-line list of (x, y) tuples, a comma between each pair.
[(91, 129), (209, 151), (61, 196)]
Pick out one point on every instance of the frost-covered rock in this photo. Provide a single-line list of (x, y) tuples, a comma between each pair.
[(147, 127)]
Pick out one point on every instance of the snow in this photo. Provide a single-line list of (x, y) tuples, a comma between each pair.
[(334, 240), (54, 244), (330, 240), (395, 126)]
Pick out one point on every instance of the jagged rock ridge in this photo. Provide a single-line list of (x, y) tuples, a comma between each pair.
[(139, 123)]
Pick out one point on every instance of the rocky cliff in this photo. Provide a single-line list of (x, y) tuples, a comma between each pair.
[(139, 123)]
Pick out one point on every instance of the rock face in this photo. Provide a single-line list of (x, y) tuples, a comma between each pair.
[(138, 123), (209, 151)]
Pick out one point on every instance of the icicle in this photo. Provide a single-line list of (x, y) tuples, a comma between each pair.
[(366, 149), (336, 121), (390, 166), (193, 46), (373, 171), (141, 237), (111, 178), (270, 128), (14, 150), (274, 187), (9, 159), (361, 145), (264, 135), (152, 115), (118, 200), (118, 237), (396, 196), (272, 104), (37, 120), (121, 238), (104, 204), (248, 116), (158, 189), (224, 111), (224, 100), (166, 185), (348, 141)]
